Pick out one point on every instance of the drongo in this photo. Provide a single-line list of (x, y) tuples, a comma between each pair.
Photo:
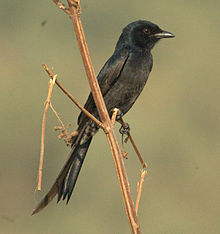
[(121, 81)]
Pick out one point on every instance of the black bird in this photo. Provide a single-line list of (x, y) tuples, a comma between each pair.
[(121, 81)]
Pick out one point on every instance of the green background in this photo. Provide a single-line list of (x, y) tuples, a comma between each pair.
[(175, 122)]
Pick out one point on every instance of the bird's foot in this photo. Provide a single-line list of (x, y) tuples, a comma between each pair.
[(125, 129)]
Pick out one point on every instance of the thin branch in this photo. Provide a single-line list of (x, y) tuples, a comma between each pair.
[(47, 103), (58, 117), (144, 165), (140, 186), (50, 73), (103, 113), (114, 115), (62, 6)]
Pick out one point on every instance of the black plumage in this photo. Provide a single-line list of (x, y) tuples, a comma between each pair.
[(121, 81)]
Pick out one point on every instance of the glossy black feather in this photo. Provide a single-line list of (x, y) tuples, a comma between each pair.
[(121, 81)]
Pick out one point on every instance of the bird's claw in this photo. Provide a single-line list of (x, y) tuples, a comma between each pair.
[(125, 129)]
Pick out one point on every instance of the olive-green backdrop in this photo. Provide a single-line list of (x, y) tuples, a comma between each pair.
[(175, 122)]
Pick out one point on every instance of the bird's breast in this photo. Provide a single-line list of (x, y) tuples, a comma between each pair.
[(137, 69)]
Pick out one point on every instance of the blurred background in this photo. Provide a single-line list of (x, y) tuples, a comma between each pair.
[(175, 122)]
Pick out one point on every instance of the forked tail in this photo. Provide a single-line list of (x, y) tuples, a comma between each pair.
[(67, 178)]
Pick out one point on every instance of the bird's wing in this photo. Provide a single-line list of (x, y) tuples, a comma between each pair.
[(107, 77)]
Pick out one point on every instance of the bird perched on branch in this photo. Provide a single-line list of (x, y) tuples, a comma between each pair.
[(121, 81)]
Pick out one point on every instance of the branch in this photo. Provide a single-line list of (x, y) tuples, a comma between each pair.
[(144, 165), (50, 73), (47, 103), (140, 186), (114, 115), (62, 7), (74, 6), (58, 117)]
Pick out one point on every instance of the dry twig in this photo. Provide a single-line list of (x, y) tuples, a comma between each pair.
[(47, 103), (50, 73), (103, 113), (114, 115), (139, 189), (106, 124), (62, 6), (59, 119), (144, 165)]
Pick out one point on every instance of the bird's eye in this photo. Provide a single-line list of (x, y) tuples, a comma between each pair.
[(146, 30)]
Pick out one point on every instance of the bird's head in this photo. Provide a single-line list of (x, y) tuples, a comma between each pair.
[(142, 34)]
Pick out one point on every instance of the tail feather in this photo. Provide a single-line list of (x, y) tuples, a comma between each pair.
[(60, 192), (71, 179), (67, 177)]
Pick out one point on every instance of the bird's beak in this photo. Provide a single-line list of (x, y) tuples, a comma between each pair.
[(163, 34)]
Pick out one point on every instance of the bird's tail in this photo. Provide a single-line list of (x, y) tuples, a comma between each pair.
[(67, 178)]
